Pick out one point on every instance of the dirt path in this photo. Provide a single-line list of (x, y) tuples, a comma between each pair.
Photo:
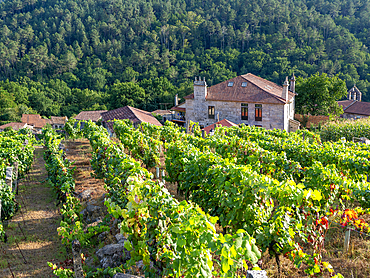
[(33, 230)]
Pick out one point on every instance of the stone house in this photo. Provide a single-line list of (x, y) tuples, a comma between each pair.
[(58, 122), (353, 107), (35, 121), (245, 99)]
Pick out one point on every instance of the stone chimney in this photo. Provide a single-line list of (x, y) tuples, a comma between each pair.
[(200, 89), (292, 83), (176, 99), (286, 90)]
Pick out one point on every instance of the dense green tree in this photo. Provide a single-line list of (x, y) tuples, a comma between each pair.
[(96, 44), (127, 93), (319, 93)]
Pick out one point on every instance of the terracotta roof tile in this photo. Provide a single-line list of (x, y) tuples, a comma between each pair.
[(161, 112), (223, 122), (179, 108), (94, 116), (345, 103), (131, 113), (35, 120), (58, 120), (15, 126), (256, 90), (359, 107)]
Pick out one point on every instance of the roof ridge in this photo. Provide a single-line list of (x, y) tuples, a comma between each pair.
[(271, 94), (133, 112), (353, 102)]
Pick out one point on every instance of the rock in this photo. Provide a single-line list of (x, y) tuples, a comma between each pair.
[(85, 195), (120, 238), (122, 275), (113, 255), (92, 213), (91, 209), (256, 274), (115, 222), (103, 236), (140, 264), (110, 250)]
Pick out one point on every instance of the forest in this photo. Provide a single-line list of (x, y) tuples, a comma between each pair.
[(60, 57)]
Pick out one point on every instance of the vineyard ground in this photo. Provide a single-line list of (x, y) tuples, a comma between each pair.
[(33, 228)]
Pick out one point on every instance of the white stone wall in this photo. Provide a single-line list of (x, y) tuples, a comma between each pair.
[(353, 116), (272, 114)]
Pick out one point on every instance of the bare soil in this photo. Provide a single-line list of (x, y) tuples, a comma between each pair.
[(32, 233), (79, 151)]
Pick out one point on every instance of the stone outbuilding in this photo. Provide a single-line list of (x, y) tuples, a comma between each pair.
[(209, 129), (58, 122), (85, 116), (353, 107), (245, 99)]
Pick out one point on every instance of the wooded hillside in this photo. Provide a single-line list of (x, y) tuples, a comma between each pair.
[(65, 56)]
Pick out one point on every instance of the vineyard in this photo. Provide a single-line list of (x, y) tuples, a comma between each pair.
[(247, 191), (217, 206), (16, 152)]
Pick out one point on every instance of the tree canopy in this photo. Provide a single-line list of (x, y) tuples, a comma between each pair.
[(319, 93), (80, 45)]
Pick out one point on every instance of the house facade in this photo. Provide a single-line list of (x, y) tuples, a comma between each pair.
[(245, 99), (58, 122)]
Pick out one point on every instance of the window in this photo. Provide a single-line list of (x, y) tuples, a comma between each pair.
[(211, 112), (244, 84), (258, 112), (230, 84), (244, 111)]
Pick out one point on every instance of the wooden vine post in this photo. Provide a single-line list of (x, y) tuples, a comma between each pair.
[(9, 176), (15, 183), (77, 261), (346, 240), (157, 172)]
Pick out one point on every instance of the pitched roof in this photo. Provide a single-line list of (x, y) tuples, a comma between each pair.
[(358, 107), (223, 122), (15, 126), (256, 90), (161, 112), (94, 116), (35, 120), (131, 113), (177, 108), (58, 120), (345, 103)]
